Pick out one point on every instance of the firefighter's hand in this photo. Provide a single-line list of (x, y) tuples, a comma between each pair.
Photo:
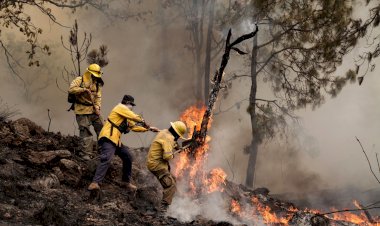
[(87, 91), (154, 129), (97, 111), (145, 124)]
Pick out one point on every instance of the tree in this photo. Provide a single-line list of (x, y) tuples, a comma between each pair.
[(372, 42), (298, 49), (14, 16), (200, 20), (79, 51)]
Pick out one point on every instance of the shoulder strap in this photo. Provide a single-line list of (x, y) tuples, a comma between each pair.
[(112, 126), (123, 128), (81, 82)]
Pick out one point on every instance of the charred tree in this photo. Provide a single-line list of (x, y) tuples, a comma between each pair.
[(199, 136)]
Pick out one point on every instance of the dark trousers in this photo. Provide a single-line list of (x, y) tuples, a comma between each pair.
[(108, 150)]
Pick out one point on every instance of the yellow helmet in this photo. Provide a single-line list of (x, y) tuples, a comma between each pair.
[(179, 127), (95, 70)]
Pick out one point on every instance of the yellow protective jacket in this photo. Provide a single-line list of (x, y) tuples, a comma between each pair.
[(118, 114), (161, 151), (83, 103)]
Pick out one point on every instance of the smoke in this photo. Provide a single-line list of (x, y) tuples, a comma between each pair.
[(149, 60), (136, 68), (212, 206)]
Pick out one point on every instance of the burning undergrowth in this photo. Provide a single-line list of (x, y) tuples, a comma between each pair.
[(207, 193), (43, 182)]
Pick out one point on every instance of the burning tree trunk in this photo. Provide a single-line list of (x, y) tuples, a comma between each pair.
[(199, 136)]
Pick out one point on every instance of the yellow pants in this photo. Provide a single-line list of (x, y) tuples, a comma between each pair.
[(168, 183)]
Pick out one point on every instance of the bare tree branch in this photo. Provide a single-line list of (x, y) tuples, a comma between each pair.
[(369, 163)]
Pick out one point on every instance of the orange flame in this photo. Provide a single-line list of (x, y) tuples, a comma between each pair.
[(217, 178), (235, 206), (351, 217), (267, 215), (193, 166)]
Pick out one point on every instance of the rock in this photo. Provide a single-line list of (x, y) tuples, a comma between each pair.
[(11, 170), (71, 171), (44, 157), (6, 135), (44, 183), (58, 173), (20, 129), (7, 215), (51, 214), (26, 127)]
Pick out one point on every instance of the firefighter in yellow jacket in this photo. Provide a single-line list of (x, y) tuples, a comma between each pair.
[(160, 152), (121, 120), (88, 93)]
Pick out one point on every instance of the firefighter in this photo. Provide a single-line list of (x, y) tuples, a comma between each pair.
[(160, 152), (86, 93), (121, 120)]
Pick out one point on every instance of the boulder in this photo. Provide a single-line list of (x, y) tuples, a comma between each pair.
[(71, 171), (44, 157), (46, 182)]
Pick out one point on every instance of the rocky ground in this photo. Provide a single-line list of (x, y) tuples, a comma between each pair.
[(43, 182)]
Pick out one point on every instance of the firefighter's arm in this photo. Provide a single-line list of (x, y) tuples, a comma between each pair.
[(136, 128), (126, 113), (75, 86), (98, 98), (168, 150)]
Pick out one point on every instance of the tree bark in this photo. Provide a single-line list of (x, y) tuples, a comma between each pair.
[(208, 51), (253, 149), (164, 66), (197, 33)]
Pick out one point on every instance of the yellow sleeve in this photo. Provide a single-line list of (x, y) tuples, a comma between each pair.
[(136, 128), (168, 149), (126, 113), (98, 97), (75, 86), (139, 129)]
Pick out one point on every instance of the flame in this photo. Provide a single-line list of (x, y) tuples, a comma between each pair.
[(258, 212), (351, 217), (190, 169), (192, 117), (235, 207), (191, 166), (268, 216), (217, 178)]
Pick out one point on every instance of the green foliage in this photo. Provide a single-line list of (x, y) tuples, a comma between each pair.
[(98, 56), (300, 45), (14, 16)]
